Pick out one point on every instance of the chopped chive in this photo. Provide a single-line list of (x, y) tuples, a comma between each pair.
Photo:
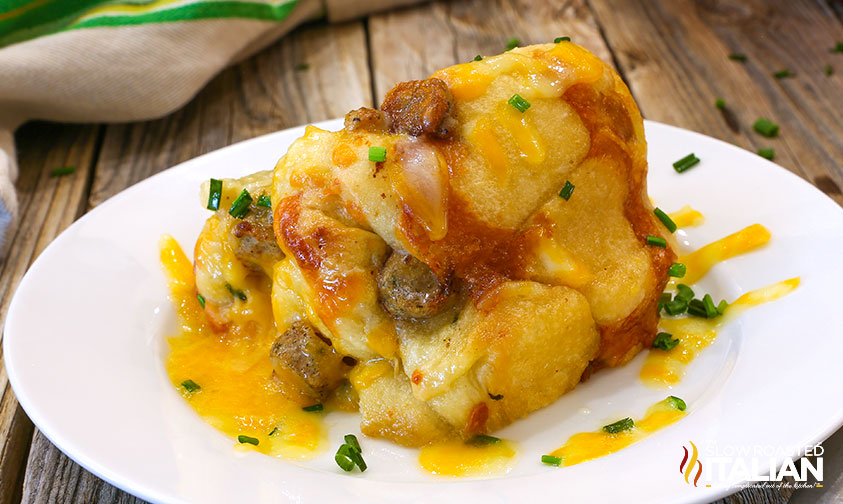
[(273, 431), (512, 43), (720, 103), (495, 397), (567, 190), (684, 292), (236, 292), (663, 300), (784, 73), (837, 48), (264, 201), (696, 308), (665, 341), (240, 206), (677, 270), (351, 440), (518, 102), (345, 463), (676, 307), (201, 299), (721, 307), (61, 172), (685, 163), (191, 386), (737, 57), (666, 220), (301, 67), (620, 425), (676, 403), (313, 407), (766, 127), (377, 154), (561, 39), (656, 241), (478, 58), (482, 439), (829, 70), (710, 309), (215, 194), (551, 460), (767, 153), (247, 439)]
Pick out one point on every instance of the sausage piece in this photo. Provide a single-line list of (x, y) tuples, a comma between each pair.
[(409, 289), (420, 107), (255, 240), (302, 357)]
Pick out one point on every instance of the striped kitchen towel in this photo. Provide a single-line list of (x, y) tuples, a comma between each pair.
[(129, 60)]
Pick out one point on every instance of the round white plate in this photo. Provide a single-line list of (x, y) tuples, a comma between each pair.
[(85, 348)]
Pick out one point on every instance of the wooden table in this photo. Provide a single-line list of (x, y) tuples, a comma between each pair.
[(672, 53)]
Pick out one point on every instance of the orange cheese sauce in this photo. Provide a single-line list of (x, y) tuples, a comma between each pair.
[(702, 260), (459, 458), (586, 446), (665, 368), (687, 217), (239, 394)]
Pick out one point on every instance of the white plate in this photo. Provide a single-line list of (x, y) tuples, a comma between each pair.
[(84, 350)]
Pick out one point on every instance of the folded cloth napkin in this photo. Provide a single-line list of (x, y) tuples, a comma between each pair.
[(129, 60)]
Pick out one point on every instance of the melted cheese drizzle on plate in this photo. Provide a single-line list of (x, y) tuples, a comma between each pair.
[(591, 445), (239, 394), (458, 458)]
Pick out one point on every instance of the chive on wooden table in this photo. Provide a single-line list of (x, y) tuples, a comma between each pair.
[(673, 54)]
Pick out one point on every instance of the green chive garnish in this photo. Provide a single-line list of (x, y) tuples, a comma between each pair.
[(767, 153), (273, 431), (247, 439), (301, 67), (665, 341), (685, 163), (215, 194), (737, 57), (561, 39), (512, 43), (620, 425), (520, 103), (829, 70), (482, 439), (666, 220), (663, 300), (236, 292), (838, 47), (61, 172), (350, 453), (710, 309), (313, 407), (676, 403), (677, 270), (551, 460), (781, 74), (656, 241), (766, 127), (478, 58), (191, 386), (720, 103), (567, 190), (676, 307), (264, 201), (351, 440), (684, 292), (721, 307), (240, 206), (377, 154), (696, 308), (201, 299), (345, 462)]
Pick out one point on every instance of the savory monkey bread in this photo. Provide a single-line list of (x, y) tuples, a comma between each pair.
[(430, 261)]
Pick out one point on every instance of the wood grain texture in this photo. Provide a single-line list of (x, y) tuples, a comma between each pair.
[(260, 95), (47, 206), (674, 56)]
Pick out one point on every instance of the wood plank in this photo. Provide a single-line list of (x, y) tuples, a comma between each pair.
[(262, 94), (674, 56), (47, 206)]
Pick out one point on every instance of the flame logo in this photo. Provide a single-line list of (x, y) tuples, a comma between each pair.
[(687, 470)]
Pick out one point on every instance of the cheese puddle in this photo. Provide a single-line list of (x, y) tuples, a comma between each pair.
[(459, 458), (239, 394), (665, 368), (591, 445)]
